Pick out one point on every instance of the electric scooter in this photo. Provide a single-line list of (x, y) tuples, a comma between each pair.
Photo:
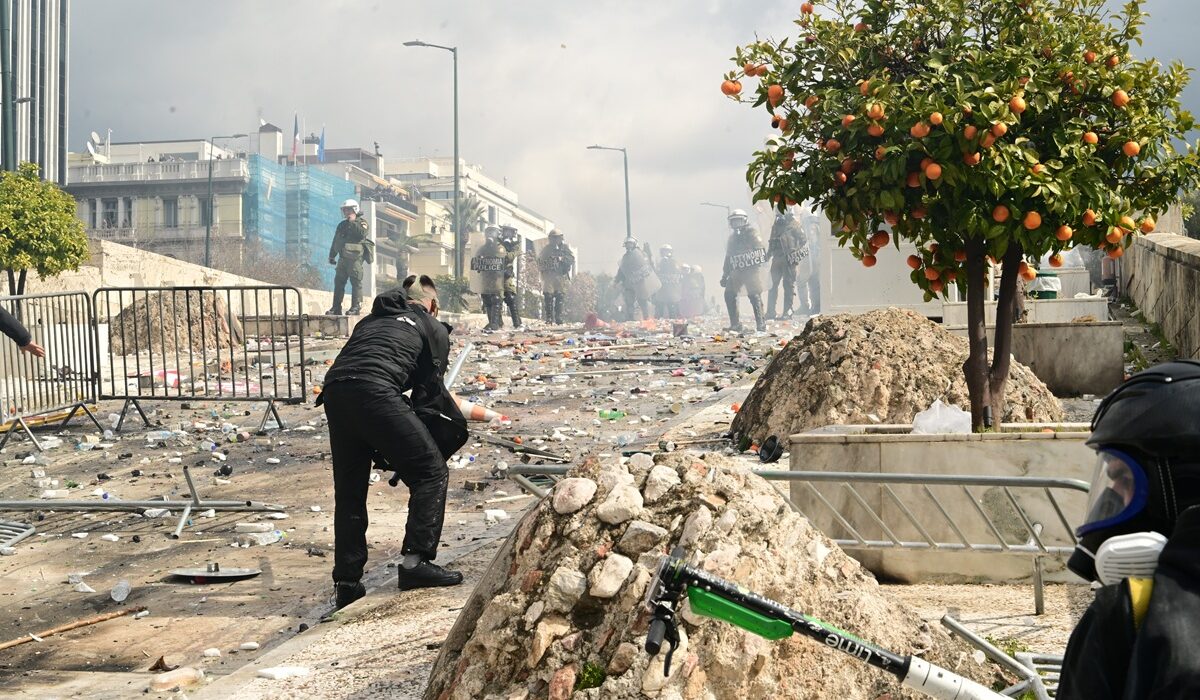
[(720, 599)]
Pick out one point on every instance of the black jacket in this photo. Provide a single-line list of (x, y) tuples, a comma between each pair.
[(385, 347), (10, 326), (1108, 658)]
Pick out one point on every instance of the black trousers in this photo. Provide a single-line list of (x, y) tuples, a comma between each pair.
[(364, 418)]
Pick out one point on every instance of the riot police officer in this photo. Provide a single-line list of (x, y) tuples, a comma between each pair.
[(555, 263), (512, 248), (349, 250), (637, 280), (671, 277), (745, 261), (487, 277), (808, 281), (785, 250)]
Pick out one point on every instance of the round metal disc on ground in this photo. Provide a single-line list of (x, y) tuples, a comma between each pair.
[(219, 576)]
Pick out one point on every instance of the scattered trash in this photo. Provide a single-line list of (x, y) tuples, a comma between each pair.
[(211, 653), (213, 573), (248, 646), (110, 538), (120, 591), (276, 673), (941, 418), (179, 678), (493, 515)]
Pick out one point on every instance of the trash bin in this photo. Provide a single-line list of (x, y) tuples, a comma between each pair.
[(1046, 286)]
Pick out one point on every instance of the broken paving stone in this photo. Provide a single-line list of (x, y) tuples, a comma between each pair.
[(494, 515), (110, 538), (565, 589), (248, 646), (660, 482), (623, 503), (695, 527), (608, 575), (211, 653), (156, 513), (251, 539), (562, 683), (572, 494), (639, 537), (547, 631), (253, 527), (622, 658)]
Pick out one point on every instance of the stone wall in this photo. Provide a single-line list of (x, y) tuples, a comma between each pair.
[(115, 265), (1161, 274)]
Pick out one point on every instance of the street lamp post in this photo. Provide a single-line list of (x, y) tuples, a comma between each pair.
[(209, 219), (457, 213), (726, 207), (625, 155)]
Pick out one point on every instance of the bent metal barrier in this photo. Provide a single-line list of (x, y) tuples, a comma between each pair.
[(854, 513), (189, 343), (61, 384)]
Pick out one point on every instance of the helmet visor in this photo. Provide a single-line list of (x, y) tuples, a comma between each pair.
[(1119, 491)]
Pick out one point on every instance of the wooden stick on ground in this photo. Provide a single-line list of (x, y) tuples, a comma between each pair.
[(70, 626)]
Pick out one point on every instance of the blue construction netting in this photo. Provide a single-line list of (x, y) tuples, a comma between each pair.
[(294, 210)]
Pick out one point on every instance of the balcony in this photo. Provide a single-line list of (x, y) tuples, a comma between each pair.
[(155, 172), (142, 236)]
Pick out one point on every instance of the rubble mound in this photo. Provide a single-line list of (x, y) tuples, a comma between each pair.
[(559, 612), (159, 323), (884, 366)]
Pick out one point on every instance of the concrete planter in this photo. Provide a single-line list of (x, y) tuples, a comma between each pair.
[(891, 449)]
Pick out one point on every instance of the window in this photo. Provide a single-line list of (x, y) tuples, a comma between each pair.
[(108, 215), (93, 206), (127, 215), (204, 211), (170, 207), (491, 214)]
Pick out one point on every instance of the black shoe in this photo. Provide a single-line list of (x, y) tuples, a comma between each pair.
[(353, 311), (347, 593), (427, 575), (334, 312)]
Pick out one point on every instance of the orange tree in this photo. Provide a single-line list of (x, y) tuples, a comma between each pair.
[(976, 130)]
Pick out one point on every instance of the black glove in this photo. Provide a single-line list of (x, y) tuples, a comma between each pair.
[(332, 260)]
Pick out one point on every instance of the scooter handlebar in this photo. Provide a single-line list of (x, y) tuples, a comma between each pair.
[(655, 636)]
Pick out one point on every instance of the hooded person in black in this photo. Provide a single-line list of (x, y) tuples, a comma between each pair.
[(389, 353)]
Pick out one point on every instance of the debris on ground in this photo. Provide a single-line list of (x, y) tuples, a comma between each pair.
[(560, 609), (883, 366)]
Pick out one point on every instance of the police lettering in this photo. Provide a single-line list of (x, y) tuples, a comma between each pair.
[(487, 264), (752, 258), (795, 256)]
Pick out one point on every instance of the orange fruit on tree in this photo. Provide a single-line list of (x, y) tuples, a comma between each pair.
[(919, 130), (861, 27), (918, 212), (1090, 137), (960, 256), (934, 248), (1116, 252), (1056, 260), (1089, 56), (806, 8), (891, 218), (833, 145), (1115, 234), (972, 158), (936, 286), (1017, 104), (880, 239), (875, 130), (847, 119), (987, 141), (1089, 218), (1128, 223), (970, 131), (1038, 169), (1032, 220), (1131, 148), (875, 111), (999, 129), (782, 124), (936, 119), (1027, 272), (1000, 214), (925, 162), (775, 93), (913, 180), (848, 166), (931, 274), (951, 275), (839, 177), (880, 153), (812, 101), (868, 260), (1147, 224), (1064, 233), (731, 87), (1120, 98), (914, 262), (750, 69), (933, 171), (1112, 61), (864, 86)]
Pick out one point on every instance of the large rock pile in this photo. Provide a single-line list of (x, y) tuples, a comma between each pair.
[(559, 612), (163, 322), (884, 366)]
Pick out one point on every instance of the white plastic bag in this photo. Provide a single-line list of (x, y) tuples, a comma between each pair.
[(941, 418)]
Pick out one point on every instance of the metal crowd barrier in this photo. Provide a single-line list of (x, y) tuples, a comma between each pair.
[(191, 343), (1015, 497), (61, 384)]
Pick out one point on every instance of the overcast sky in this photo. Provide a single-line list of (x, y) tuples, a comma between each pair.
[(539, 81)]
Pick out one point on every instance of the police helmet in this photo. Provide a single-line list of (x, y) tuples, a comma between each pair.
[(738, 218), (491, 233), (630, 243), (666, 250)]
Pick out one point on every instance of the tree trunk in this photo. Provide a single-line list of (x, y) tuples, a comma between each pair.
[(975, 369), (12, 282), (1006, 310), (21, 282)]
